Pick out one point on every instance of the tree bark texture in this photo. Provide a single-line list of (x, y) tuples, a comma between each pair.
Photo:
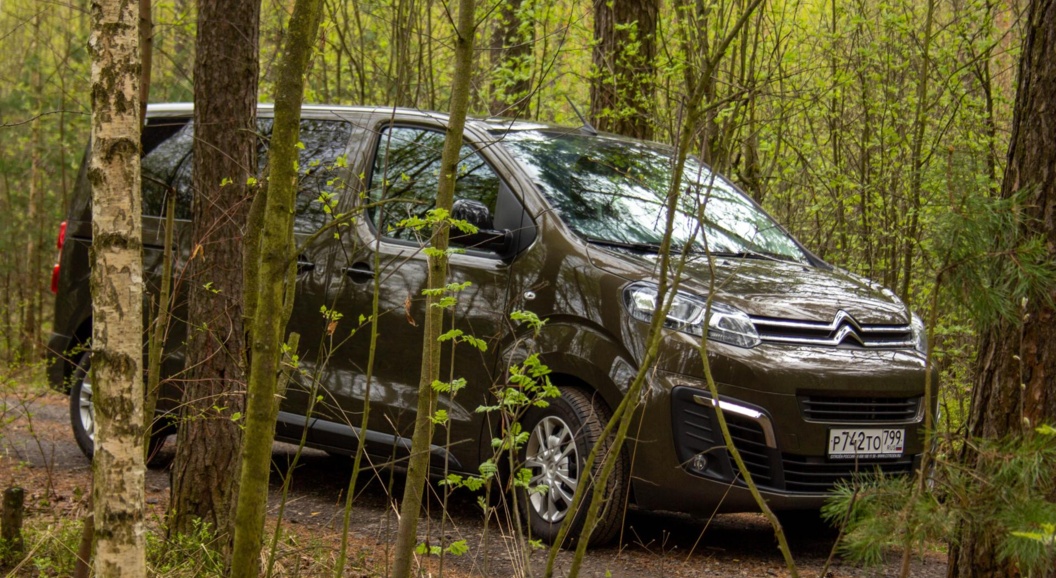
[(622, 86), (225, 156), (146, 46), (1016, 362), (418, 463), (31, 302), (271, 294), (117, 291), (512, 42)]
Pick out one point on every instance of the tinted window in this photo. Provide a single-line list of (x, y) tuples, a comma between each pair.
[(406, 175), (167, 168), (613, 191), (160, 168), (320, 165)]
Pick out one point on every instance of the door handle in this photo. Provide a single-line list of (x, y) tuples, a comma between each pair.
[(360, 273)]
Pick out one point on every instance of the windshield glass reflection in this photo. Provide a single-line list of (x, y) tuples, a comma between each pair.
[(611, 191)]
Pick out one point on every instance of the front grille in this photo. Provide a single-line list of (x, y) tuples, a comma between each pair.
[(859, 409), (843, 330), (815, 475), (748, 437)]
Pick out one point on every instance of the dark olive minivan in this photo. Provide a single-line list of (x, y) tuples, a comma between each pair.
[(820, 372)]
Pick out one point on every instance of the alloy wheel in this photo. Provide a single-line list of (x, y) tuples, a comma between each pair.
[(553, 460)]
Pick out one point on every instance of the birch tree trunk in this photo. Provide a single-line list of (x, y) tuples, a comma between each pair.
[(117, 290)]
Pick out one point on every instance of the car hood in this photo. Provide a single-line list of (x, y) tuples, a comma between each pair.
[(770, 288)]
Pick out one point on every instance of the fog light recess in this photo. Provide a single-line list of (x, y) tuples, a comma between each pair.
[(699, 462)]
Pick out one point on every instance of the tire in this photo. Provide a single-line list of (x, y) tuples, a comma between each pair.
[(560, 437), (82, 413)]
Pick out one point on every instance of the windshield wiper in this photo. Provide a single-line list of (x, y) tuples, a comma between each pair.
[(638, 247)]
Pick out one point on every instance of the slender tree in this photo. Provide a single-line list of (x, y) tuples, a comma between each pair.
[(418, 463), (225, 158), (117, 289), (31, 299), (270, 267), (1016, 359), (512, 43), (621, 88)]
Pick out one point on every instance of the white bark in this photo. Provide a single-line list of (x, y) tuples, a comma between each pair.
[(117, 290)]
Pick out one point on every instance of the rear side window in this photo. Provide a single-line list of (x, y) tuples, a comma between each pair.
[(405, 176), (160, 169), (167, 170), (321, 166)]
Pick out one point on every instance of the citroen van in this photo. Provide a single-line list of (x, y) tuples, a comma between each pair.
[(820, 373)]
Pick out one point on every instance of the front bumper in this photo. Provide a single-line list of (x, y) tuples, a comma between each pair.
[(780, 437)]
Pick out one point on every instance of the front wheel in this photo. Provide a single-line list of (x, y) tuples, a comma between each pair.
[(560, 437), (82, 412)]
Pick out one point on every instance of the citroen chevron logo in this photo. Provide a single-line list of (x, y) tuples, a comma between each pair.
[(846, 328)]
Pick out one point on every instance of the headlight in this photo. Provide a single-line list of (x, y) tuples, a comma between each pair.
[(920, 335), (725, 324)]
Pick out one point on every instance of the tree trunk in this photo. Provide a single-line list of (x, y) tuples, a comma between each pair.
[(1017, 361), (273, 289), (512, 42), (34, 273), (621, 90), (418, 463), (117, 291), (225, 156), (146, 44)]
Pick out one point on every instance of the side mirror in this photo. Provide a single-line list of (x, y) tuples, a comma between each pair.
[(486, 238)]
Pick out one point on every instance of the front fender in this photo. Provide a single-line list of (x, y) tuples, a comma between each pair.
[(576, 354)]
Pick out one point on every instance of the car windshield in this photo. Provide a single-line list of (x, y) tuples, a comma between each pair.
[(611, 191)]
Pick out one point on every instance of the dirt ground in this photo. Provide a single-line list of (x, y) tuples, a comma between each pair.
[(38, 453)]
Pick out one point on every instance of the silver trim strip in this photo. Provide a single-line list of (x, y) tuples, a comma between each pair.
[(842, 324), (757, 416)]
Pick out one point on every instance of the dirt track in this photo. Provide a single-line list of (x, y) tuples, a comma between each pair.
[(40, 452)]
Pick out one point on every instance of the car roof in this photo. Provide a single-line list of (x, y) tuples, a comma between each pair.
[(488, 124)]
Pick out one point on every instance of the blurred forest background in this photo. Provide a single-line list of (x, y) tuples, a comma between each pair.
[(863, 126)]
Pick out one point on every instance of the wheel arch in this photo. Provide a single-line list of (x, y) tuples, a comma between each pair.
[(579, 357), (65, 361)]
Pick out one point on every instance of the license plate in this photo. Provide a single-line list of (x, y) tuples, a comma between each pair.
[(866, 443)]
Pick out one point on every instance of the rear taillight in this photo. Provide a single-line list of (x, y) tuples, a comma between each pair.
[(59, 242), (55, 279)]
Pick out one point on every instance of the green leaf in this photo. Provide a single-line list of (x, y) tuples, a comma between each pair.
[(424, 549), (488, 468), (523, 477), (478, 343), (449, 335), (452, 480), (457, 548)]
